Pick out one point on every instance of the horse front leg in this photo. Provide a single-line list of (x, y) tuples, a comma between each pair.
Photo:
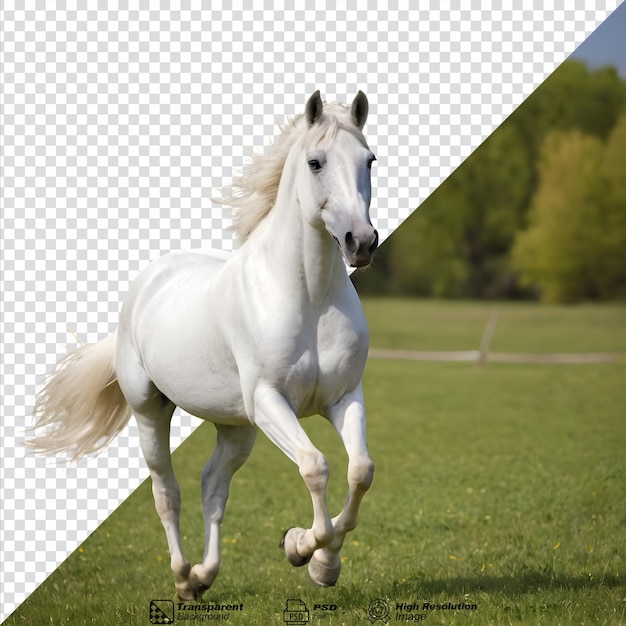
[(348, 418), (275, 417), (234, 444)]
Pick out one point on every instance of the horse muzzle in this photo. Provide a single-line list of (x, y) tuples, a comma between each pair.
[(359, 249)]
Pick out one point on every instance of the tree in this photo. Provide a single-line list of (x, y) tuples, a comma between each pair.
[(574, 247), (612, 277), (572, 97)]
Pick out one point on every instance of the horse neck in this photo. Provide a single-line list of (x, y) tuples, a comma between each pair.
[(304, 255)]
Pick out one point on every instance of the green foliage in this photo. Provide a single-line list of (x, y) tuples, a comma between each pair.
[(571, 98), (557, 249), (613, 172), (575, 245), (458, 242)]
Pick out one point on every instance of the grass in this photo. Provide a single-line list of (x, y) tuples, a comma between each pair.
[(503, 488)]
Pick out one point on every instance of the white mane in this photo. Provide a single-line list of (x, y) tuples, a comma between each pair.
[(254, 194)]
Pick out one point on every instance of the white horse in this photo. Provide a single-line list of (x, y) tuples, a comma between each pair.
[(269, 336)]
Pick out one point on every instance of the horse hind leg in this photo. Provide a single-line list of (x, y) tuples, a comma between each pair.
[(234, 444), (153, 421)]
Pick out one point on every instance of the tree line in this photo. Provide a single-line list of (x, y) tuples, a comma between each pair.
[(538, 211)]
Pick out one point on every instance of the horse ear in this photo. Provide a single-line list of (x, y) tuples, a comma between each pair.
[(360, 107), (314, 107)]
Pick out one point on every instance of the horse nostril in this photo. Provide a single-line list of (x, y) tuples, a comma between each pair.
[(350, 242), (374, 245)]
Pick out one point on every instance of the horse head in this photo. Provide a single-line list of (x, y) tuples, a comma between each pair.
[(337, 164)]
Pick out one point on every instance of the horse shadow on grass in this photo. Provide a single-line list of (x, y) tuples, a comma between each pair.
[(502, 589), (517, 584), (527, 581)]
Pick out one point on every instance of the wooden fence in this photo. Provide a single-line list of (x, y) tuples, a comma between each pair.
[(482, 356)]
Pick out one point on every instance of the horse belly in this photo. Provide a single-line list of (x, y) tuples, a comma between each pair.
[(196, 372), (205, 393)]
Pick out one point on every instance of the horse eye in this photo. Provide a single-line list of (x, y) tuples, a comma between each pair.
[(315, 165)]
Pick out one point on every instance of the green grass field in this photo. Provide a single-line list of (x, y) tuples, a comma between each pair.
[(503, 487), (522, 327)]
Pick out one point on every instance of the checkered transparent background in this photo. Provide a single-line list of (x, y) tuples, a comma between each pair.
[(119, 126)]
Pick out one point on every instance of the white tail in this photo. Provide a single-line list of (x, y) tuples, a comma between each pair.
[(82, 402)]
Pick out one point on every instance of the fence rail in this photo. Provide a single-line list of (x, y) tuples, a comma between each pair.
[(482, 356), (475, 356)]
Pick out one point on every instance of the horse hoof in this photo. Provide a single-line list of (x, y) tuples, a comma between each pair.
[(186, 593), (201, 578), (289, 543), (324, 575)]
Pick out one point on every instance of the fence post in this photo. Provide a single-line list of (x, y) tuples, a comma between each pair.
[(490, 327)]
